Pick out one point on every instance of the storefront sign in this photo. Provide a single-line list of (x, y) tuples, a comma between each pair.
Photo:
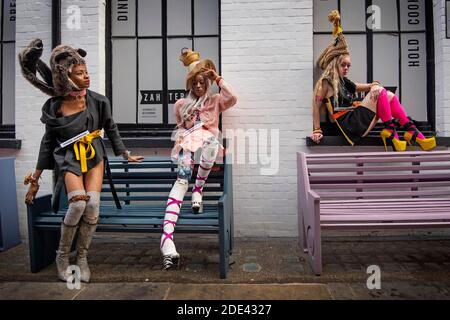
[(155, 96), (123, 18), (412, 15), (9, 20), (414, 74), (150, 114)]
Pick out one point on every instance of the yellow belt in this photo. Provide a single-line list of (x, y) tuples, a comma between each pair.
[(84, 150)]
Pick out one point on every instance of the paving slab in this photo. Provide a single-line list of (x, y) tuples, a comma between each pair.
[(292, 291), (37, 291), (124, 291)]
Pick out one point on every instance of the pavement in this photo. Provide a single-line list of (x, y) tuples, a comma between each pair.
[(128, 267)]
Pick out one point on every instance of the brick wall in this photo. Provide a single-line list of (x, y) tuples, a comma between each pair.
[(267, 55), (33, 21)]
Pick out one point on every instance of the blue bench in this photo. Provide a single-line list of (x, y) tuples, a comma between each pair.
[(134, 199)]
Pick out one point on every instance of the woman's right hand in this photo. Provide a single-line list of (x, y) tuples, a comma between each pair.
[(316, 137)]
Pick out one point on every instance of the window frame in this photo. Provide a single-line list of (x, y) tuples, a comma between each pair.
[(8, 131), (164, 37), (2, 15)]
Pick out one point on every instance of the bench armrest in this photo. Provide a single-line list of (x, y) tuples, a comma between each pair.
[(223, 199), (313, 196), (40, 205)]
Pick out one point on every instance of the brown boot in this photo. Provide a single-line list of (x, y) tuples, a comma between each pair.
[(84, 241), (63, 252)]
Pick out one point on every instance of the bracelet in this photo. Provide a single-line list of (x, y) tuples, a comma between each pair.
[(218, 79), (126, 154), (317, 130)]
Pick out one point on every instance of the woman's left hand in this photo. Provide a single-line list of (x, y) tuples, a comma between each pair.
[(135, 158)]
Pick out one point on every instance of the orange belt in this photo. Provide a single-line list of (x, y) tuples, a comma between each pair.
[(337, 115)]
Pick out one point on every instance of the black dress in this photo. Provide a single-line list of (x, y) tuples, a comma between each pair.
[(58, 129), (354, 122)]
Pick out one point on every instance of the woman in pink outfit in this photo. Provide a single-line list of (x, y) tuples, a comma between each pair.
[(197, 118)]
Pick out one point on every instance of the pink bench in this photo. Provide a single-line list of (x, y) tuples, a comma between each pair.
[(345, 191)]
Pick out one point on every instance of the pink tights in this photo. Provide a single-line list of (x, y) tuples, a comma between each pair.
[(386, 111)]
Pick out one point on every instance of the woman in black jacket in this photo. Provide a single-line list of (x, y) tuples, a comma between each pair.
[(75, 119)]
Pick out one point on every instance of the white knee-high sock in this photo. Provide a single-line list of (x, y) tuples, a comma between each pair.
[(171, 217), (77, 205), (209, 155)]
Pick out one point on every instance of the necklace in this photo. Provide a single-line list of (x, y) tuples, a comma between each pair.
[(79, 95)]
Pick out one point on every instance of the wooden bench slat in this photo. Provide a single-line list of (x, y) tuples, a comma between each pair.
[(378, 194), (407, 206), (136, 221), (152, 159), (207, 215), (441, 200), (167, 189), (408, 185), (381, 177), (385, 217), (150, 221), (387, 160), (162, 207), (392, 225), (142, 229), (375, 154), (124, 181), (375, 211), (151, 165), (152, 208), (411, 168), (209, 211), (146, 159), (152, 198)]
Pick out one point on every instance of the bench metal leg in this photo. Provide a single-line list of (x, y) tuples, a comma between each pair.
[(224, 259), (224, 250), (225, 240)]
